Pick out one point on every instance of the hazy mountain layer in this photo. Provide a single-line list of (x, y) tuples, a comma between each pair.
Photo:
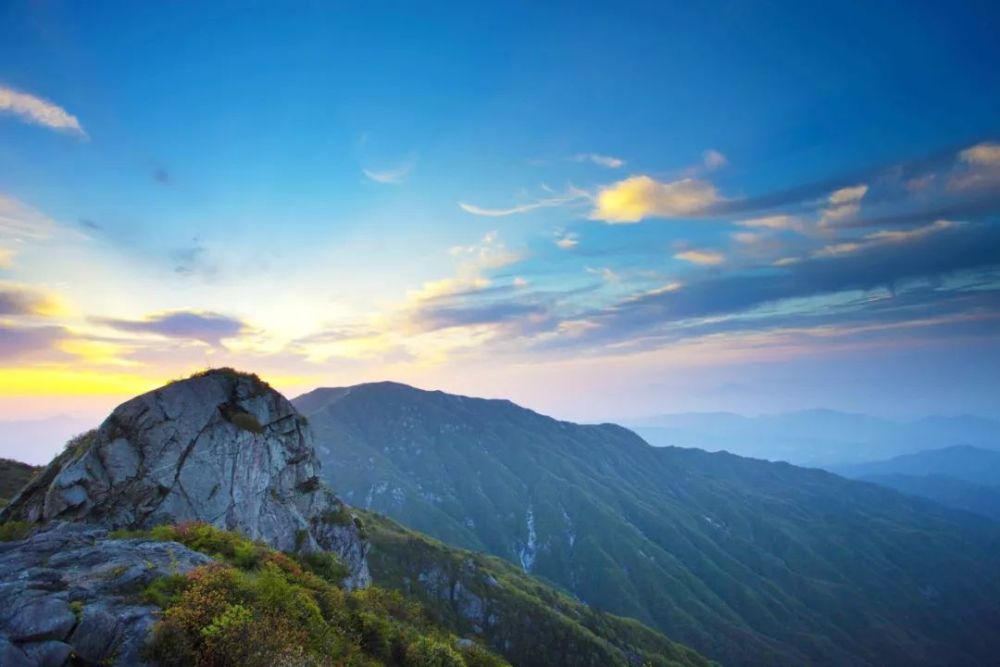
[(816, 437), (747, 561)]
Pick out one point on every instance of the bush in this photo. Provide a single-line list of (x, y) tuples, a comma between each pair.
[(282, 610), (13, 531)]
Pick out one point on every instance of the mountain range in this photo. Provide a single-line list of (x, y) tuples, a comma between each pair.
[(819, 438), (749, 562), (963, 477)]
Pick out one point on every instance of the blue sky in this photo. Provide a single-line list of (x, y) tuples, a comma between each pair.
[(600, 210)]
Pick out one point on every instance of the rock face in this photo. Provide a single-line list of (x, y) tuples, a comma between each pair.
[(72, 590), (221, 447)]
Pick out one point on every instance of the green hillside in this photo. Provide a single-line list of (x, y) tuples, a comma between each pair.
[(748, 562), (529, 622), (13, 476)]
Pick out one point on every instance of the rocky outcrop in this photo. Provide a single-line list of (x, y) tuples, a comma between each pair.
[(221, 447), (70, 590)]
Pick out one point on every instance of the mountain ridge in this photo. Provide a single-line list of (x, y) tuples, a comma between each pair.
[(742, 559)]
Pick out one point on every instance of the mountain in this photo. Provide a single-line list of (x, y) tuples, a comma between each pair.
[(749, 562), (527, 620), (13, 476), (963, 477), (192, 527), (820, 438)]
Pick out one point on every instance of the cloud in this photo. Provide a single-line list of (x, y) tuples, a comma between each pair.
[(6, 258), (844, 203), (606, 274), (20, 221), (713, 159), (602, 160), (19, 343), (885, 236), (984, 154), (568, 241), (37, 111), (571, 196), (702, 257), (391, 175), (640, 197), (773, 222), (717, 300), (18, 299), (206, 327)]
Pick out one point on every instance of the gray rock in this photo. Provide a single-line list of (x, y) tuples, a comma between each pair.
[(13, 656), (95, 637), (100, 579), (223, 448), (48, 654), (32, 618)]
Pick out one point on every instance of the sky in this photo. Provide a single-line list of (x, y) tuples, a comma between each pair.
[(598, 210)]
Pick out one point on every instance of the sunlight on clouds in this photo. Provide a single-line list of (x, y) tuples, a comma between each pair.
[(96, 352), (703, 257), (640, 197), (984, 154), (37, 111), (6, 258)]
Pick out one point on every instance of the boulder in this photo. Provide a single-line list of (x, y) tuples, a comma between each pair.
[(71, 589), (221, 447)]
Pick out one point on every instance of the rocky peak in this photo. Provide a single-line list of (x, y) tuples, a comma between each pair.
[(221, 447)]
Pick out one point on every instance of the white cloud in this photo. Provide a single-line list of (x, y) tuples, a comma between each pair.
[(713, 159), (392, 175), (20, 221), (773, 222), (606, 274), (567, 241), (603, 160), (844, 203), (37, 111), (848, 195), (639, 197), (572, 195), (702, 257)]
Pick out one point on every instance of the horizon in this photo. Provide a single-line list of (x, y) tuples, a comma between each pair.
[(600, 214)]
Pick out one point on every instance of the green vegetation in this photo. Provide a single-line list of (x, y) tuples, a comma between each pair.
[(13, 476), (12, 531), (257, 607), (530, 622), (746, 561)]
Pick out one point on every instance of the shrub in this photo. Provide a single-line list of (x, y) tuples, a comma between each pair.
[(13, 531)]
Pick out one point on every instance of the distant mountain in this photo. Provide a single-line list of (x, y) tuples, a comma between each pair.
[(36, 441), (816, 437), (749, 562), (963, 477)]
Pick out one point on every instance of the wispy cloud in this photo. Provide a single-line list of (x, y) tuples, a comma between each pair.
[(20, 221), (567, 241), (702, 257), (639, 197), (571, 196), (392, 175), (38, 111), (602, 160), (713, 159), (773, 222)]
